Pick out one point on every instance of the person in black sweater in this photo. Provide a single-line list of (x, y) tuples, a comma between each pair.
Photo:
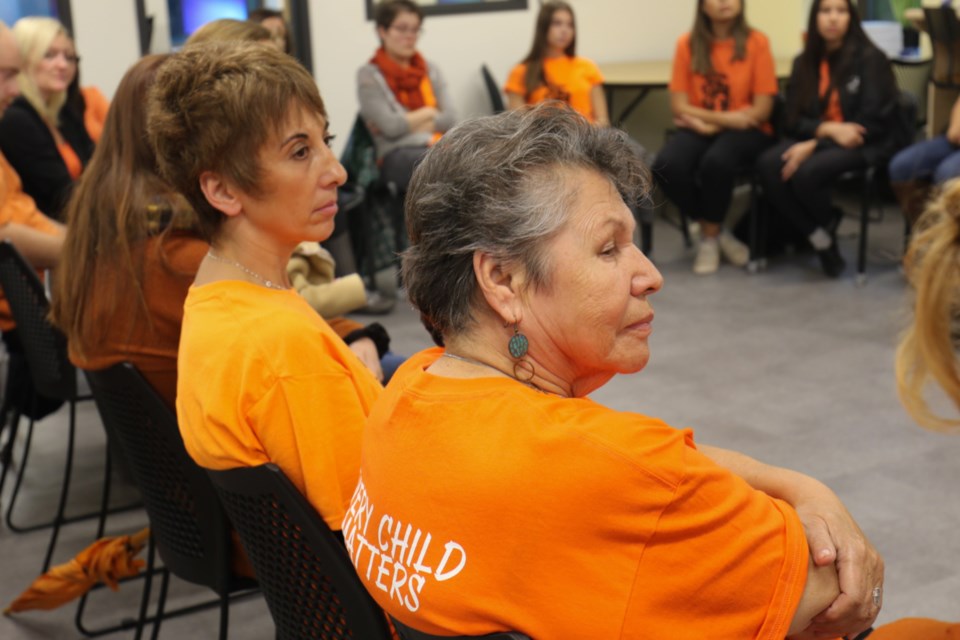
[(841, 110)]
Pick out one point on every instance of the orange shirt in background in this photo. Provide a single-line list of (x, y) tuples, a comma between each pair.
[(16, 206), (262, 378), (95, 111), (71, 159), (833, 112), (734, 83), (569, 79), (485, 505)]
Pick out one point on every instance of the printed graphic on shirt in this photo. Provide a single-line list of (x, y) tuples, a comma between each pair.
[(716, 92), (397, 558), (556, 92)]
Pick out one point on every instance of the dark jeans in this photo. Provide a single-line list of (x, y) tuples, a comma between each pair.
[(398, 166), (804, 200), (698, 173)]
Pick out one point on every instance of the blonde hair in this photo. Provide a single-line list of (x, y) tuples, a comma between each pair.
[(34, 34), (928, 348), (230, 30)]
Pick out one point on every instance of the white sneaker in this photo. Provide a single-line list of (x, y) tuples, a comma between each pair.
[(708, 258), (735, 252)]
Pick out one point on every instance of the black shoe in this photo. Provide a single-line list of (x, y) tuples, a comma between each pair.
[(831, 261)]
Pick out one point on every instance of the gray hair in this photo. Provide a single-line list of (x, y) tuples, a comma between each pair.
[(496, 185)]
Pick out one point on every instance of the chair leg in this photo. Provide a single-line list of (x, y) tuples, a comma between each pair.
[(224, 615), (161, 602), (145, 596), (16, 486), (64, 489), (6, 454), (861, 278)]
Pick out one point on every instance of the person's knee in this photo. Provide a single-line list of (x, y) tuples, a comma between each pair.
[(947, 170), (769, 167), (902, 166)]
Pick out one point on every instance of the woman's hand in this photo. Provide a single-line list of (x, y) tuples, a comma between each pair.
[(366, 350), (696, 124), (835, 538), (848, 135), (740, 120), (794, 156)]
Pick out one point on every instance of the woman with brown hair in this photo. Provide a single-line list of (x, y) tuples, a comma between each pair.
[(553, 70), (721, 93), (131, 252)]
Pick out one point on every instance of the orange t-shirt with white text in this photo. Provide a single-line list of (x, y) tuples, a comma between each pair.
[(485, 505)]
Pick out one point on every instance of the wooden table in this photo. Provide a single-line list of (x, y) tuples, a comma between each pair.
[(643, 76)]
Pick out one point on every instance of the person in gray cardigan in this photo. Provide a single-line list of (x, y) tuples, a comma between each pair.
[(403, 98)]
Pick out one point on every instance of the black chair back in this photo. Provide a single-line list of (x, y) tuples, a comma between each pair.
[(496, 98), (944, 30), (44, 346), (310, 585), (188, 524), (406, 633)]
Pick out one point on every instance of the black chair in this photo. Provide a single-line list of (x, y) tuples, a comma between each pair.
[(188, 526), (310, 585), (493, 90), (376, 226), (45, 351), (944, 30)]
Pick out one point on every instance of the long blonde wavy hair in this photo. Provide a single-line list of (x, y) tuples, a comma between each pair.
[(34, 34), (928, 349)]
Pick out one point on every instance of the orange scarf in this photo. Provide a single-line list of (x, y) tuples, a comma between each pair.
[(404, 81)]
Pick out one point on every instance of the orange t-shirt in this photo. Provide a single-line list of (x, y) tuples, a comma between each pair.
[(485, 505), (833, 112), (570, 79), (917, 629), (734, 83), (95, 111), (123, 333), (262, 378), (16, 206)]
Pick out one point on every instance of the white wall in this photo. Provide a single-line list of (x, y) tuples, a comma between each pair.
[(608, 31), (107, 40)]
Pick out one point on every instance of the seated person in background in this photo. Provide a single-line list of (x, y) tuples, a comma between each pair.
[(132, 250), (553, 70), (721, 94), (403, 98), (34, 235), (914, 171), (230, 30), (273, 21), (47, 145), (88, 105), (494, 495), (841, 106), (241, 131)]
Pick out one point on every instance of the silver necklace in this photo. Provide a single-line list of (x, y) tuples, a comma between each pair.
[(267, 283), (453, 356)]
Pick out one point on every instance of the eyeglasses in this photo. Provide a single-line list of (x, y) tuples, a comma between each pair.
[(408, 31), (71, 58)]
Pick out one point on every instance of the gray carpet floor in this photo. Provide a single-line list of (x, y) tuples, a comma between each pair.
[(784, 365)]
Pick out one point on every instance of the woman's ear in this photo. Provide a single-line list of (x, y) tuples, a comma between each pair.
[(221, 195), (500, 284)]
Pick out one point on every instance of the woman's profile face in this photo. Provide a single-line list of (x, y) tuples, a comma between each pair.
[(400, 38), (560, 34), (594, 319), (721, 10), (833, 21), (55, 70), (298, 185)]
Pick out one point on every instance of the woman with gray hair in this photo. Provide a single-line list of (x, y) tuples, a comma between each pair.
[(494, 495)]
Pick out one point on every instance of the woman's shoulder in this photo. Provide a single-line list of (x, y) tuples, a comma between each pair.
[(757, 38), (20, 114)]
